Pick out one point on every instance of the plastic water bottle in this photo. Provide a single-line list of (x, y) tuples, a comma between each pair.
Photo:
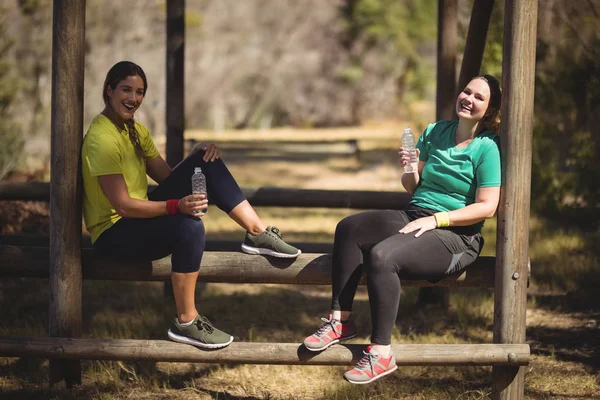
[(199, 184), (408, 143)]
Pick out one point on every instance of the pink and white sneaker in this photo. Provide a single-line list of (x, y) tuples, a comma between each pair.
[(332, 331), (371, 367)]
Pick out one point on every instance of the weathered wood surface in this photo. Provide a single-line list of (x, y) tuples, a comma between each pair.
[(446, 58), (475, 43), (518, 83), (66, 126), (175, 80), (232, 267), (211, 245), (264, 196), (259, 353)]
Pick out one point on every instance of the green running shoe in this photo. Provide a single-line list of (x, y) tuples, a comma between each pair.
[(200, 333), (269, 243)]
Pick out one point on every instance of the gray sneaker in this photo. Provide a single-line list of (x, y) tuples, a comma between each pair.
[(269, 243), (200, 333)]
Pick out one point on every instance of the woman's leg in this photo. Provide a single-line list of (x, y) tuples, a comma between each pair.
[(184, 291), (245, 216), (355, 236), (223, 190), (182, 236), (147, 239), (225, 193), (403, 257)]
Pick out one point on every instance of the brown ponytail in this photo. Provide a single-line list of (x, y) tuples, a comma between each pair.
[(491, 119)]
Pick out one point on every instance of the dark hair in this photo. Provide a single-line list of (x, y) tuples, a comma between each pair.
[(491, 119), (116, 74)]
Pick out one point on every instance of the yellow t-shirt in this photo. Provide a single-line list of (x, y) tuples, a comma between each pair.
[(107, 150)]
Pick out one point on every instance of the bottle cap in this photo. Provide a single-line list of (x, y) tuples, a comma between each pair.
[(407, 128), (197, 169)]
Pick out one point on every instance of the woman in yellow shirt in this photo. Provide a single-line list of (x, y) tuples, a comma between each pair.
[(128, 224)]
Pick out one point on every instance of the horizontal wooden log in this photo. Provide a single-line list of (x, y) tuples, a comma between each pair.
[(228, 267), (259, 353), (211, 245), (264, 196)]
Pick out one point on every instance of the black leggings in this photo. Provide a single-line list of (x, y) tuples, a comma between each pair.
[(182, 235), (371, 241)]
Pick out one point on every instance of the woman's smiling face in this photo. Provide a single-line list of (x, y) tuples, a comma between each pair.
[(127, 97), (473, 101)]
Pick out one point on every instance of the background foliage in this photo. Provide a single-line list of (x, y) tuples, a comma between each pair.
[(309, 63)]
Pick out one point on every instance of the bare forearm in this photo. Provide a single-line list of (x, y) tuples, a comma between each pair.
[(471, 214), (136, 208), (410, 181)]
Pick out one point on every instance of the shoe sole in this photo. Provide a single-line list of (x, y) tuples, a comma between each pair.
[(184, 339), (331, 343), (267, 252), (381, 375)]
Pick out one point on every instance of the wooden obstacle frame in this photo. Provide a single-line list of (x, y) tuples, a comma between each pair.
[(65, 260)]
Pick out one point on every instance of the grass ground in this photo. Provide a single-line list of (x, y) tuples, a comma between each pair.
[(563, 311)]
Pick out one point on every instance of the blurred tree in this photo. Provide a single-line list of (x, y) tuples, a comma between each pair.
[(566, 166), (404, 30), (11, 144)]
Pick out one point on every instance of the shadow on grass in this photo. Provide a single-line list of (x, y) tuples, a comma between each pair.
[(258, 313)]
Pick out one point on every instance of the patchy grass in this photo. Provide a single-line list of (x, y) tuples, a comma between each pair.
[(563, 313)]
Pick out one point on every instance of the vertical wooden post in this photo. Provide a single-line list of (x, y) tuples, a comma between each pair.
[(446, 58), (175, 79), (518, 78), (475, 43), (68, 52), (175, 93), (445, 97)]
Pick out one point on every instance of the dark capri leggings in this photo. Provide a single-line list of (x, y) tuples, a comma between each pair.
[(182, 235), (370, 241)]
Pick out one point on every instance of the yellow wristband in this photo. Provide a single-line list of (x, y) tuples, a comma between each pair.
[(442, 219)]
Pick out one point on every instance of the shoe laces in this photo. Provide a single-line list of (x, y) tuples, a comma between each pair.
[(367, 361), (276, 231), (204, 324), (328, 325)]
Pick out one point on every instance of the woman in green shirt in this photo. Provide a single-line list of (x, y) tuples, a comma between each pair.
[(456, 186)]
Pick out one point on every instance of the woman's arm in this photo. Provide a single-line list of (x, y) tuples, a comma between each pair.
[(115, 189), (486, 202), (410, 180), (158, 169)]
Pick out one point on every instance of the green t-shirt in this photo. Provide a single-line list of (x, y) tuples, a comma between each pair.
[(107, 150), (451, 176)]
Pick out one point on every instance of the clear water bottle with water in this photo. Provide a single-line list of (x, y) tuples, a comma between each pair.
[(408, 143), (199, 184)]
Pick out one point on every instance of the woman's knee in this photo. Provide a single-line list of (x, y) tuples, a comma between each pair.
[(380, 261), (348, 225), (191, 229), (188, 251)]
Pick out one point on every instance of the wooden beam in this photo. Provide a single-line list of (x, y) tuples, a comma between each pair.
[(211, 245), (446, 58), (258, 197), (68, 54), (225, 267), (475, 43), (518, 84), (259, 353), (175, 80)]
